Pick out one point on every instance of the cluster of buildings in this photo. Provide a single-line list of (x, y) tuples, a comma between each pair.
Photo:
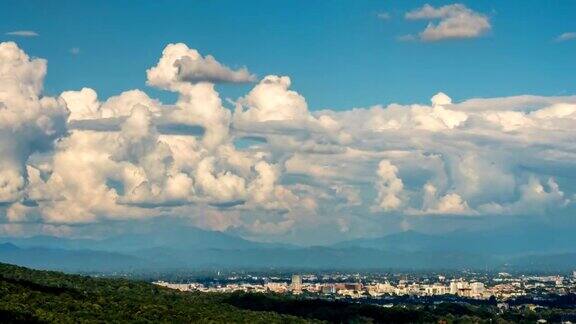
[(357, 289), (503, 286)]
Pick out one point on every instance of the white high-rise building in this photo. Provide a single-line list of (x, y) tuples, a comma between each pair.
[(453, 288), (384, 288), (435, 289), (477, 289), (296, 284), (559, 281), (460, 288)]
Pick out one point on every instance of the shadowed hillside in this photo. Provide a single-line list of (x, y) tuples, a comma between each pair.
[(42, 296)]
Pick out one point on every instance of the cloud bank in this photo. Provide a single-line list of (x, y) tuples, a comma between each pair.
[(270, 168)]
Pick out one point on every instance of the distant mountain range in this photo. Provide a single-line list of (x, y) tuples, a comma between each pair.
[(166, 237), (513, 241), (525, 249), (70, 260)]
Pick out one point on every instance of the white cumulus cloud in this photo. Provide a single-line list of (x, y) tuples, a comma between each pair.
[(453, 21), (182, 65), (389, 187)]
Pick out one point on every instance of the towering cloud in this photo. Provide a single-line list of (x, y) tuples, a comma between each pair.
[(389, 187), (29, 122)]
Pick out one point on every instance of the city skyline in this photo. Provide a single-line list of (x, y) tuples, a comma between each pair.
[(468, 285)]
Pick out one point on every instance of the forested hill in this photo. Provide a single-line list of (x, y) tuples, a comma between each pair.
[(44, 296), (32, 296)]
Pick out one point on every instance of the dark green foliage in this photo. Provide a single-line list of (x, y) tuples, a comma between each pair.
[(351, 312), (9, 316), (28, 296), (332, 311)]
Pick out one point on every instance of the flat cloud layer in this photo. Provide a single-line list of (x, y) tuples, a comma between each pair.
[(23, 33), (270, 168)]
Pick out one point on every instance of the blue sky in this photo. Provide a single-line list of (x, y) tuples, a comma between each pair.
[(339, 54), (464, 116)]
